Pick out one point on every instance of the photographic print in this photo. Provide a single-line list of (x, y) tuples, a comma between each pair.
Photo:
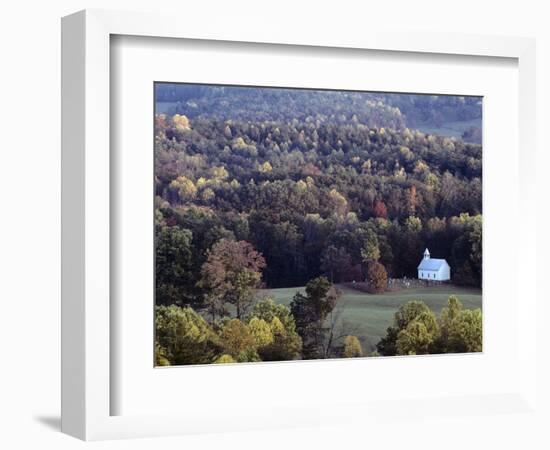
[(301, 224)]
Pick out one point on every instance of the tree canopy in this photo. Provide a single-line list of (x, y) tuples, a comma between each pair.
[(416, 330)]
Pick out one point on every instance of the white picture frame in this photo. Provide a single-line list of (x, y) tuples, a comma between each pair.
[(87, 386)]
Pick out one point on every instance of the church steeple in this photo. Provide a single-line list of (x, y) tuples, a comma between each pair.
[(426, 254)]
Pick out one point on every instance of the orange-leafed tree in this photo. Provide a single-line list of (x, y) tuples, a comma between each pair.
[(380, 209), (231, 274), (377, 277)]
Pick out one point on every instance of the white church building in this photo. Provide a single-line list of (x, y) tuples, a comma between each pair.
[(433, 269)]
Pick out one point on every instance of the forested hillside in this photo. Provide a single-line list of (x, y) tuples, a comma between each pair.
[(296, 184), (299, 189), (368, 108)]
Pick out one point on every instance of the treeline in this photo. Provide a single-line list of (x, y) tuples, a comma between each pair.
[(417, 331), (266, 332), (279, 105), (379, 109), (184, 337), (340, 248)]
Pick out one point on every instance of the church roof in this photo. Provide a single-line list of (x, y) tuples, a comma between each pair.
[(431, 264)]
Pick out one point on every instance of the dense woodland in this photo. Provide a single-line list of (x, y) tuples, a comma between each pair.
[(280, 188)]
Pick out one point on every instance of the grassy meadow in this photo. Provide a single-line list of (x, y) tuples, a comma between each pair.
[(450, 128), (368, 315)]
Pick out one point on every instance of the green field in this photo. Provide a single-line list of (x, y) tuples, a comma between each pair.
[(450, 129), (368, 315)]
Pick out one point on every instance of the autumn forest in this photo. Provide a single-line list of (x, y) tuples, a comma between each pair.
[(289, 223)]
